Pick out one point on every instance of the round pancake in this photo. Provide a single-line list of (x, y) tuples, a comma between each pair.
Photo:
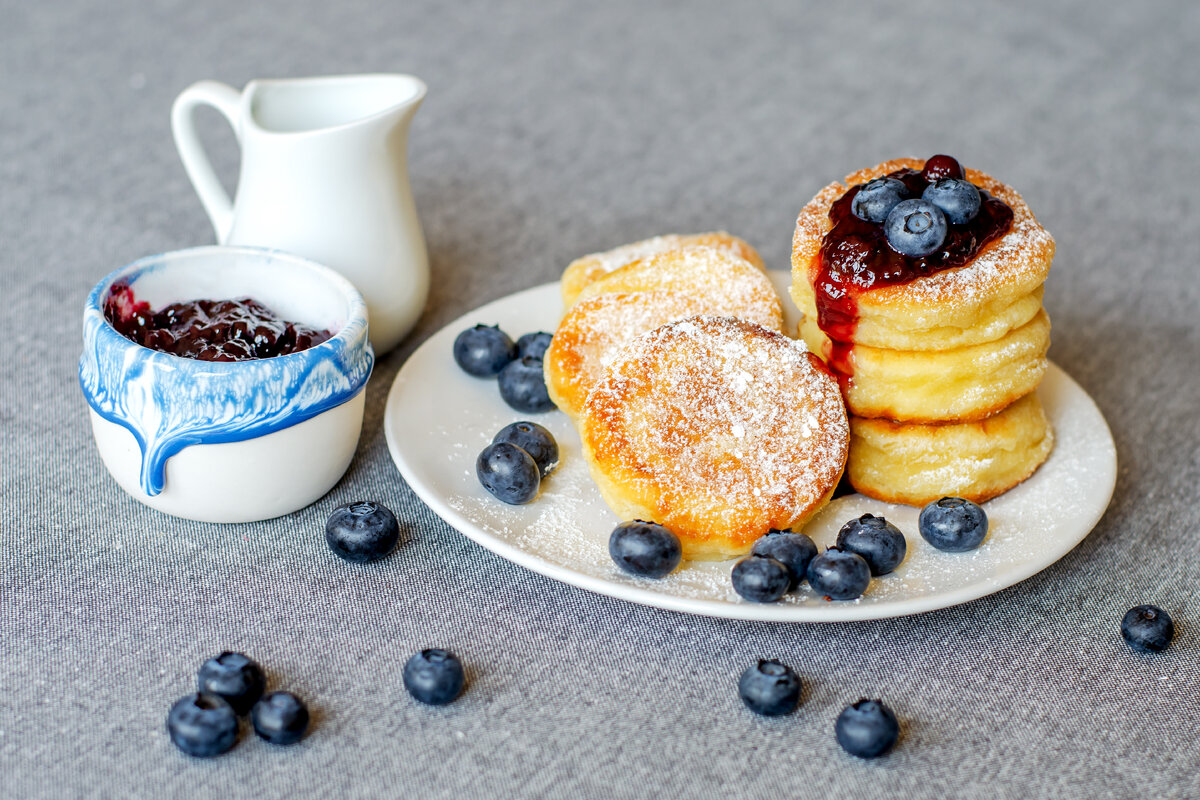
[(966, 383), (584, 270), (877, 331), (703, 271), (917, 464), (718, 429), (594, 331), (966, 297)]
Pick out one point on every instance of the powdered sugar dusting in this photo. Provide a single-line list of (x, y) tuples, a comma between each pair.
[(726, 280), (594, 331), (722, 427)]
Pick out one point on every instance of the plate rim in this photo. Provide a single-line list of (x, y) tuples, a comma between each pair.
[(647, 596)]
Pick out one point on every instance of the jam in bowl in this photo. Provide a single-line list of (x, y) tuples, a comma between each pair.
[(185, 427)]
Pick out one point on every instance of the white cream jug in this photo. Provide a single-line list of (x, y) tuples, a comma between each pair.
[(324, 175)]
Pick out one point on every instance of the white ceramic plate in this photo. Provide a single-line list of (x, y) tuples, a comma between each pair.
[(438, 419)]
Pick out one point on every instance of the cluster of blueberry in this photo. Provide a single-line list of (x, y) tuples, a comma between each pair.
[(228, 686), (866, 548), (780, 561), (866, 728), (513, 465), (916, 227), (485, 351)]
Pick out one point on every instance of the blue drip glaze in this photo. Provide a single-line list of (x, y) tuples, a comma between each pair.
[(169, 403)]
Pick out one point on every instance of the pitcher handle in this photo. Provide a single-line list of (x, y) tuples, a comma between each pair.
[(199, 169)]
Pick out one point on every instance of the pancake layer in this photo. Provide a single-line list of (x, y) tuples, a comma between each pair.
[(917, 464), (584, 270), (717, 428)]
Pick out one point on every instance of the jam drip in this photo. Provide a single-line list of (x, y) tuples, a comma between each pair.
[(208, 330), (855, 256)]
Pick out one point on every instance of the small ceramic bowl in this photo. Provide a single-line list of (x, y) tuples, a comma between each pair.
[(228, 441)]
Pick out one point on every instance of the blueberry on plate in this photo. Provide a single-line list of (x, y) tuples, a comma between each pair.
[(508, 472), (770, 688), (915, 228), (434, 676), (233, 677), (645, 548), (839, 574), (484, 350), (953, 524), (793, 550), (760, 579), (202, 725), (867, 729), (1147, 628), (280, 718), (533, 439), (942, 166), (533, 345), (958, 199), (877, 197), (523, 386), (362, 532), (875, 539)]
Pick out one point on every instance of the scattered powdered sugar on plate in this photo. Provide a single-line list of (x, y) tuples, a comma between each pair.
[(438, 419)]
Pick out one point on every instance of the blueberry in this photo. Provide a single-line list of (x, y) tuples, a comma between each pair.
[(760, 579), (644, 548), (508, 472), (233, 677), (533, 344), (523, 386), (875, 539), (877, 197), (435, 676), (793, 550), (942, 166), (915, 228), (770, 688), (839, 574), (958, 199), (363, 531), (1147, 628), (953, 524), (483, 350), (533, 439), (867, 729), (202, 725), (280, 718)]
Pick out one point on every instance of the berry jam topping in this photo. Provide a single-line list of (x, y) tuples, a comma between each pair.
[(208, 330), (856, 255)]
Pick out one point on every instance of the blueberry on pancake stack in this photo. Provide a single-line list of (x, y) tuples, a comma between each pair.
[(921, 287)]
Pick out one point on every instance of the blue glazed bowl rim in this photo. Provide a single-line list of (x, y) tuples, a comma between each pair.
[(357, 318)]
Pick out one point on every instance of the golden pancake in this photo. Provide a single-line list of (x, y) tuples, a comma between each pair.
[(717, 428), (703, 272), (584, 270), (877, 331), (966, 383), (971, 296), (595, 330), (917, 464)]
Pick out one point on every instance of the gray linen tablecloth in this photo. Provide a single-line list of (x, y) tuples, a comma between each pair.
[(552, 130)]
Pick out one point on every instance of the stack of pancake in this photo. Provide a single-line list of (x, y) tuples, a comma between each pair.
[(938, 373), (693, 409)]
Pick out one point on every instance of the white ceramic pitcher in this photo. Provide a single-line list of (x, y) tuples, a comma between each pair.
[(324, 175)]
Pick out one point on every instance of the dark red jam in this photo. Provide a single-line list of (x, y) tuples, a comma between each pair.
[(855, 256), (208, 330)]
